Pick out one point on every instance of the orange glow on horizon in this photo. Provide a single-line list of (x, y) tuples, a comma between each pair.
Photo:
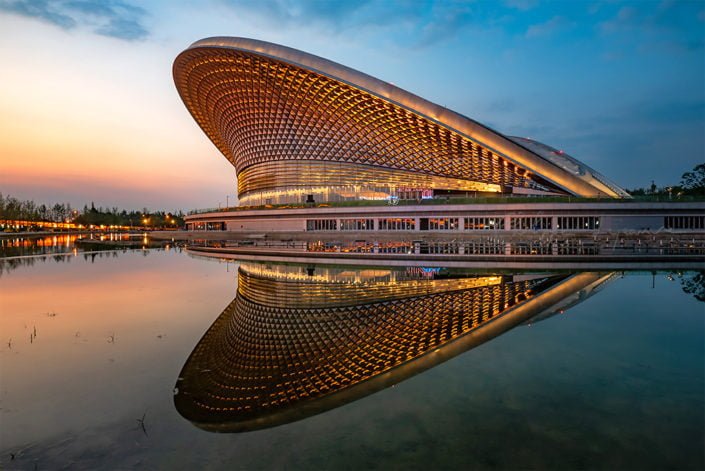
[(78, 121)]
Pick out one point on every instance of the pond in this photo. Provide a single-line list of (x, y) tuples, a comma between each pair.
[(158, 359)]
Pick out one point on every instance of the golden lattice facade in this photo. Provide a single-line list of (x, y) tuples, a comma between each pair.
[(295, 125), (298, 341)]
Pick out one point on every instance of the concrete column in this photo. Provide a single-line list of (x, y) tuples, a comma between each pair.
[(507, 223)]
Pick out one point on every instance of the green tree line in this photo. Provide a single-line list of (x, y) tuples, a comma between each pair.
[(12, 208), (28, 210)]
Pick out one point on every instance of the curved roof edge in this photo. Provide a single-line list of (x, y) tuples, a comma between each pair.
[(498, 143), (572, 165)]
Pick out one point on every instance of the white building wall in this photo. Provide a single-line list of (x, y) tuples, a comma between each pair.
[(269, 225)]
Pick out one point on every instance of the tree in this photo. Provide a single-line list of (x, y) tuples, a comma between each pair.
[(57, 212), (694, 283), (693, 182)]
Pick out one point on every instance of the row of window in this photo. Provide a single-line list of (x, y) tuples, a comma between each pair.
[(578, 223), (523, 223), (321, 225), (206, 226), (684, 222), (397, 224), (484, 224), (441, 224), (356, 224), (531, 223)]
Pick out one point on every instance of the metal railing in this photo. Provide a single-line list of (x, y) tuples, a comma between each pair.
[(454, 200)]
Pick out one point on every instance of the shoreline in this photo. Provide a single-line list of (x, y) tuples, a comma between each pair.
[(35, 234), (287, 236)]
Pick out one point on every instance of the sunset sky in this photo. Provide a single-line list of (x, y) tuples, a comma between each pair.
[(89, 111)]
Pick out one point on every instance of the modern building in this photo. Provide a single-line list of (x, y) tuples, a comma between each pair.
[(298, 127), (302, 129)]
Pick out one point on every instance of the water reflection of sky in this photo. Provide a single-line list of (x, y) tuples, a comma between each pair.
[(616, 379)]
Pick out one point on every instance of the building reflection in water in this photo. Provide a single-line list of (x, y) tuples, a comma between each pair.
[(297, 340)]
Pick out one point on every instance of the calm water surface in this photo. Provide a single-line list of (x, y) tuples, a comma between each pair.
[(95, 346), (21, 246)]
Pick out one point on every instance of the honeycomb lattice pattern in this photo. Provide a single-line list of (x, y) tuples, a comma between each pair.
[(257, 110), (258, 359)]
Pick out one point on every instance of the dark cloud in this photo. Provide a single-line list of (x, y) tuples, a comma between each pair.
[(39, 9), (123, 29), (113, 18)]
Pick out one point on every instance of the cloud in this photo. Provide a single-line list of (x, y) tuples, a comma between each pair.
[(625, 18), (521, 5), (548, 27), (671, 25), (287, 12), (113, 18), (446, 22), (425, 21), (670, 112)]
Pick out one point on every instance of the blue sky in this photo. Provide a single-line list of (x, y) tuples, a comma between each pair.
[(619, 85)]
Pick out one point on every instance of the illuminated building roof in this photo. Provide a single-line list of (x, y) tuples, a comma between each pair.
[(287, 347), (291, 122), (572, 165)]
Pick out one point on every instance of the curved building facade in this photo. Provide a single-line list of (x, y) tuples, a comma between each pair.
[(298, 127)]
